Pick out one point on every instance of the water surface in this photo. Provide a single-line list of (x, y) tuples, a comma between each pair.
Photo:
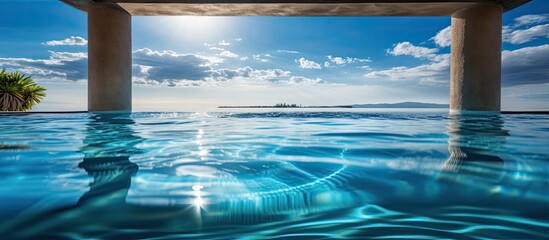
[(378, 175)]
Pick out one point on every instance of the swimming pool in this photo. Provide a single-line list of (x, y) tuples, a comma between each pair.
[(379, 175)]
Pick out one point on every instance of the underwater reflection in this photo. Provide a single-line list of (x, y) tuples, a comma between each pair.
[(108, 145), (473, 146)]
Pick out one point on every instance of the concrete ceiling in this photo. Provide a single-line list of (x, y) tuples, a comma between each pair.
[(292, 7)]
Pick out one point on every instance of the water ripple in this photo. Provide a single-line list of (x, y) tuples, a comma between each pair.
[(275, 175)]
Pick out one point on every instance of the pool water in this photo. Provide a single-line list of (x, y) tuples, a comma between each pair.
[(280, 175)]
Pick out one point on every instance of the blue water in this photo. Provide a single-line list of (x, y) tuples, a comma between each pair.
[(300, 175)]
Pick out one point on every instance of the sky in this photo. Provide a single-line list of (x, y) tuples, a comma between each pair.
[(198, 63)]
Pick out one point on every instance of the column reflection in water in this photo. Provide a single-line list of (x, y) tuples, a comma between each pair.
[(108, 145), (474, 143)]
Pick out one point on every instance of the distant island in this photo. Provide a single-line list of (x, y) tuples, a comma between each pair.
[(376, 105), (402, 105)]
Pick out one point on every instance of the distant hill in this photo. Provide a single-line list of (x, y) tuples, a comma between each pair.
[(402, 105)]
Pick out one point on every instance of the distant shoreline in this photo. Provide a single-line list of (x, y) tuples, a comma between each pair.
[(376, 105), (343, 106), (402, 105)]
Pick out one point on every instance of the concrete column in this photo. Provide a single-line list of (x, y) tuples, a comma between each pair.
[(109, 59), (475, 73)]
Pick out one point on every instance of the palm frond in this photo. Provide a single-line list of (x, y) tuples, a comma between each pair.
[(19, 92)]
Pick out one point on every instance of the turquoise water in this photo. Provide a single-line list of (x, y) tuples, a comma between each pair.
[(300, 175)]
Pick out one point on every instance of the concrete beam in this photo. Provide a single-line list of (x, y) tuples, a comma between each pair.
[(109, 59), (475, 69), (294, 7)]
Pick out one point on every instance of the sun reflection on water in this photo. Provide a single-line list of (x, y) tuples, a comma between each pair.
[(198, 201)]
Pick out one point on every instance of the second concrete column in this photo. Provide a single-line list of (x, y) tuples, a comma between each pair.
[(475, 73)]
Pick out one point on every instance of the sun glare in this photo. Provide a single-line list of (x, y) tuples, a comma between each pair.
[(196, 27)]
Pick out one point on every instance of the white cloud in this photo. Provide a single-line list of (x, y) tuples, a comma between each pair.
[(276, 75), (444, 37), (524, 66), (308, 64), (344, 60), (168, 68), (525, 35), (154, 68), (59, 66), (217, 48), (214, 77), (60, 57), (250, 74), (171, 68), (365, 67), (433, 73), (172, 82), (407, 48), (299, 80), (223, 43), (337, 60), (436, 72), (72, 41), (517, 34), (531, 19), (228, 54), (244, 58), (169, 54), (261, 57), (287, 51)]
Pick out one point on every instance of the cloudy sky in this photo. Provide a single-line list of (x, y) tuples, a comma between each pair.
[(198, 63)]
